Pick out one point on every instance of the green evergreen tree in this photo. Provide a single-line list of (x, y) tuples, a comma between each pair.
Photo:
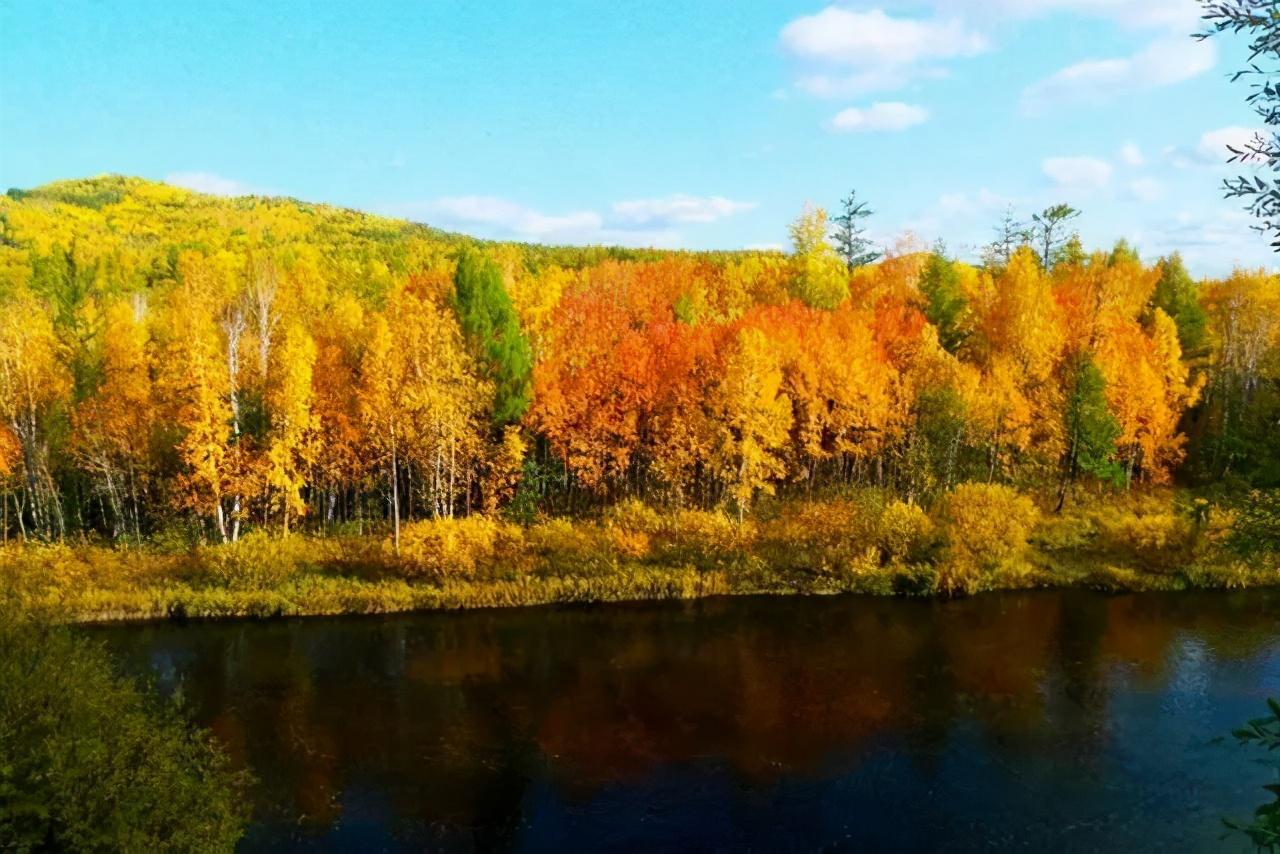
[(1091, 429), (1176, 295), (490, 323), (940, 285), (850, 238)]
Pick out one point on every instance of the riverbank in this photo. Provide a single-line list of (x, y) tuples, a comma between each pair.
[(980, 538)]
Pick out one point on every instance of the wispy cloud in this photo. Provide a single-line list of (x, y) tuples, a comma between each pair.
[(507, 217), (636, 222), (1147, 189), (1082, 174), (1132, 155), (890, 116), (211, 183), (1211, 241), (679, 208), (1163, 62), (1182, 16)]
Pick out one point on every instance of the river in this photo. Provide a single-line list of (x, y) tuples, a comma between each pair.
[(1048, 721)]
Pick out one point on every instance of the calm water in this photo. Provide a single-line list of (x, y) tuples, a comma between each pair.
[(1041, 722)]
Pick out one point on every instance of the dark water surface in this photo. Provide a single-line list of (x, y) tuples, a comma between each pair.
[(1042, 722)]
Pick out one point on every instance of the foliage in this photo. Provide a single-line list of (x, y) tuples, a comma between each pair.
[(852, 244), (490, 322), (946, 302), (1155, 537), (1234, 436), (862, 540), (754, 418), (820, 280), (1264, 830), (1090, 428), (90, 763), (986, 530), (455, 548), (178, 367), (1256, 527), (1176, 295), (1048, 231), (1258, 20)]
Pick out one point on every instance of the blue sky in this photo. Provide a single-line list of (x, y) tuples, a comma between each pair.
[(703, 124)]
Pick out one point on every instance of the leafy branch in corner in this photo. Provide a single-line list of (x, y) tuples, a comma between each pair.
[(1264, 830), (1259, 20)]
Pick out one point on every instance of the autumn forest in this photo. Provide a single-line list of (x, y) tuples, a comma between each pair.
[(180, 373)]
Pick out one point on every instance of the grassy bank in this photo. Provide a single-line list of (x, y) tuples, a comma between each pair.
[(980, 538)]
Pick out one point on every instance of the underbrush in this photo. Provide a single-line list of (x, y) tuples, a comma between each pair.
[(978, 537)]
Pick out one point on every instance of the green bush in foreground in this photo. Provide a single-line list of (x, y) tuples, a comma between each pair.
[(89, 763)]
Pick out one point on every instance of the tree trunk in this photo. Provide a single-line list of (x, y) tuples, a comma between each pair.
[(395, 495)]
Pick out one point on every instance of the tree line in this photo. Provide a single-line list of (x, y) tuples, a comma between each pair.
[(173, 364)]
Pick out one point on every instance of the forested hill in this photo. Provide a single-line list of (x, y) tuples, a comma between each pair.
[(113, 216), (171, 361)]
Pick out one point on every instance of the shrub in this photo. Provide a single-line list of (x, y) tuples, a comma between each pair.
[(635, 517), (257, 561), (986, 536), (1070, 531), (462, 548), (88, 763), (708, 540), (1153, 538), (1258, 523), (563, 548), (821, 537), (904, 534)]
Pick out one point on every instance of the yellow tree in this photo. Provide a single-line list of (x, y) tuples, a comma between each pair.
[(344, 463), (382, 374), (753, 417), (10, 461), (33, 384), (444, 396), (292, 449), (197, 386), (422, 400), (1019, 338), (112, 428), (1147, 392), (821, 279)]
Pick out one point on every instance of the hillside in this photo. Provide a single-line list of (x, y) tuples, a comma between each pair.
[(184, 370)]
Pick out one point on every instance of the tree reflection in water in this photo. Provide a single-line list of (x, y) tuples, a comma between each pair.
[(1050, 721)]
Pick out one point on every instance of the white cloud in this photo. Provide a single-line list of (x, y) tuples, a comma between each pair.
[(864, 82), (1213, 147), (966, 204), (1212, 241), (873, 39), (1083, 174), (965, 219), (1147, 189), (208, 182), (889, 116), (510, 217), (638, 222), (853, 52), (1132, 155), (678, 209), (1163, 62), (1182, 16)]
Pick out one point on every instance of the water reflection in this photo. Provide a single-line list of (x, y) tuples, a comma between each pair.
[(1049, 721)]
